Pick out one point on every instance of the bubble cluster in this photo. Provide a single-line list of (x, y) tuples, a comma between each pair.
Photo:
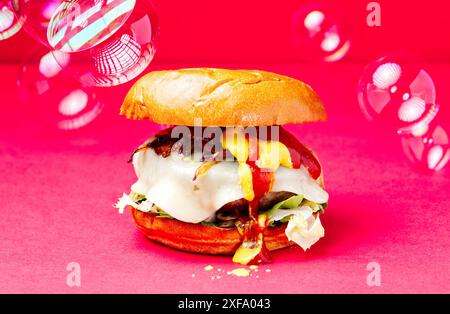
[(401, 97), (318, 33), (99, 42), (88, 44)]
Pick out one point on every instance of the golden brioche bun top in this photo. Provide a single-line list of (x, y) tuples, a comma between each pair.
[(221, 97)]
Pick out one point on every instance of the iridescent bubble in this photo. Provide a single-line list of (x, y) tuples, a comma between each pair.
[(53, 97), (79, 25), (428, 148), (400, 96), (318, 33), (101, 42), (10, 21)]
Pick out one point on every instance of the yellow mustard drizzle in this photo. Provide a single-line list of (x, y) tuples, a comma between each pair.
[(271, 154)]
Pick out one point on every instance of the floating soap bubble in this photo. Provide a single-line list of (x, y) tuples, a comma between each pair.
[(427, 148), (100, 42), (401, 96), (10, 21), (318, 33), (54, 97)]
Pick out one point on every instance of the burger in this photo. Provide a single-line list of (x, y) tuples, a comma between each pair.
[(223, 176)]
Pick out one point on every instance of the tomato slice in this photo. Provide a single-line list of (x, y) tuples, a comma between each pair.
[(300, 154)]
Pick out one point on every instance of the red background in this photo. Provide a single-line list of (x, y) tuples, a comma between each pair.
[(259, 31)]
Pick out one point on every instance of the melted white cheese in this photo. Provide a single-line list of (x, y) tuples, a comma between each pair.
[(299, 181), (168, 183)]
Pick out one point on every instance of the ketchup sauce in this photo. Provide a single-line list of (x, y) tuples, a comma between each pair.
[(300, 154), (262, 181)]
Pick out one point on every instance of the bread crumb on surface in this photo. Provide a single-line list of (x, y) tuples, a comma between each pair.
[(239, 272)]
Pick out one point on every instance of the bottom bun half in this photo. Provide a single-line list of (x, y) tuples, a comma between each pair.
[(199, 238)]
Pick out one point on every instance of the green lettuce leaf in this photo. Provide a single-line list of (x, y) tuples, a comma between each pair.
[(283, 211), (290, 203)]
